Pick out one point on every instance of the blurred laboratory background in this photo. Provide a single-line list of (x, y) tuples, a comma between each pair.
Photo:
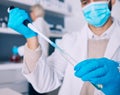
[(62, 16)]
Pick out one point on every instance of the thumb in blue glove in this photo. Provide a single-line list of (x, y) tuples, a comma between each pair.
[(16, 18), (100, 71)]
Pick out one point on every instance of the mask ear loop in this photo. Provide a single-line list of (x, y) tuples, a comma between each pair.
[(110, 5)]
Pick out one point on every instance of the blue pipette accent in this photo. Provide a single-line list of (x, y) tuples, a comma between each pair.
[(56, 46)]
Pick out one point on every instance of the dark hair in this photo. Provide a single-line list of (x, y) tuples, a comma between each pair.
[(110, 5)]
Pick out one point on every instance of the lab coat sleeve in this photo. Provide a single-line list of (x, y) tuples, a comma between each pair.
[(48, 73), (29, 59)]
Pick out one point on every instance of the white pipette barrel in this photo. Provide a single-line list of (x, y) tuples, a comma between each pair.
[(64, 54)]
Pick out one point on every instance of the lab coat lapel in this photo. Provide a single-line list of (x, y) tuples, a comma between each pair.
[(81, 53), (114, 43)]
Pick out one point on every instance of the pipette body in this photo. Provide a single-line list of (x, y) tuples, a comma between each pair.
[(63, 53)]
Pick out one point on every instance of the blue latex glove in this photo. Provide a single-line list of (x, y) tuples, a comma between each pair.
[(15, 50), (100, 71), (16, 18)]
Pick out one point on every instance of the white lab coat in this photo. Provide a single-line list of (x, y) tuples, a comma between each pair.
[(52, 72)]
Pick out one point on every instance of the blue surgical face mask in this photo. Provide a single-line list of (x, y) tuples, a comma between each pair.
[(97, 13)]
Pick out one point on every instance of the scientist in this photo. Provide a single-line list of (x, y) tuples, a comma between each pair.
[(96, 49)]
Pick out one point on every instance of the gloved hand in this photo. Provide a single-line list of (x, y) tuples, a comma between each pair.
[(16, 18), (100, 71)]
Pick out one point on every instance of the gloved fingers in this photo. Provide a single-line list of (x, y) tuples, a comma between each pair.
[(22, 15), (18, 19), (100, 80), (14, 17), (82, 63), (78, 66), (14, 11), (94, 74), (88, 68)]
